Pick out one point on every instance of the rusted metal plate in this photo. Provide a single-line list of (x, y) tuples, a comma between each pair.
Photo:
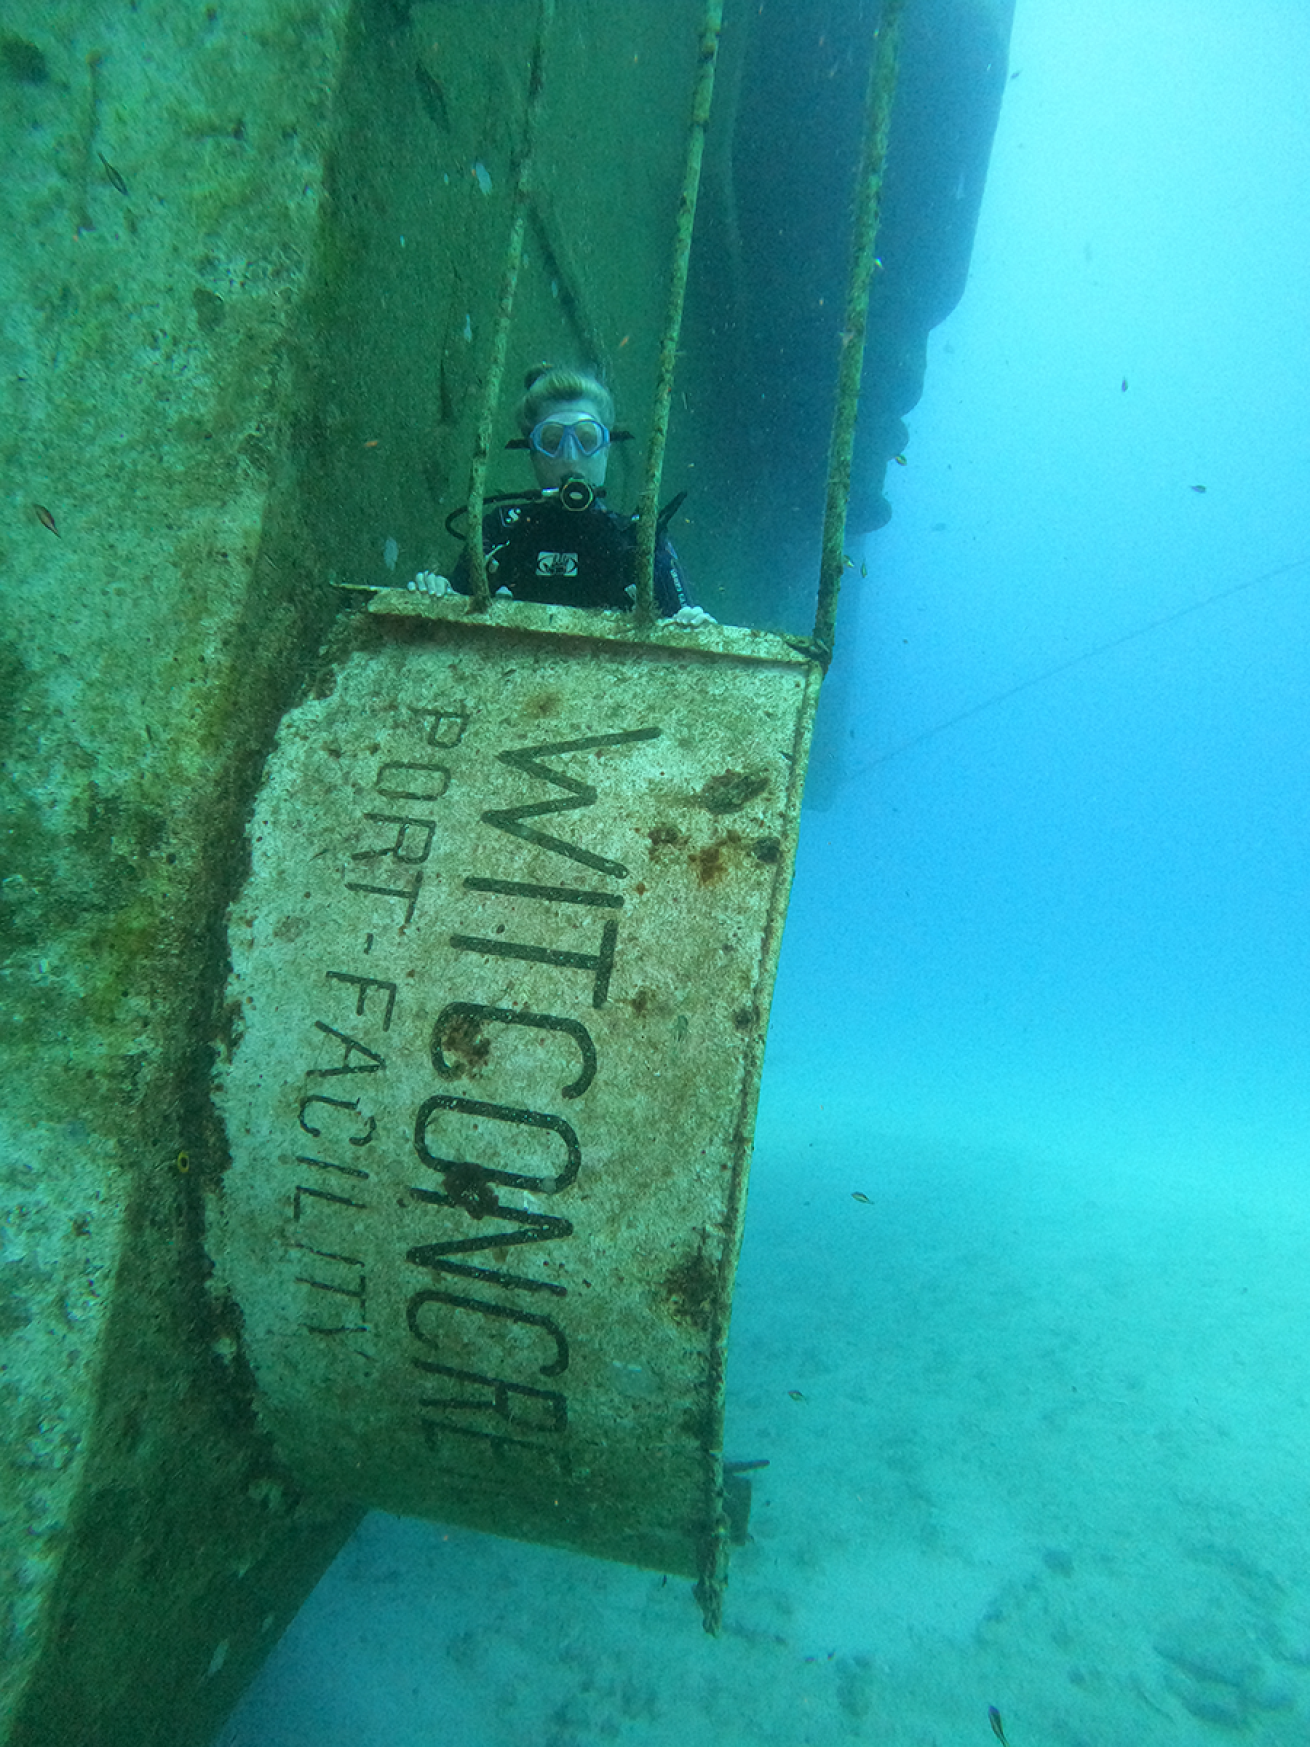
[(502, 969)]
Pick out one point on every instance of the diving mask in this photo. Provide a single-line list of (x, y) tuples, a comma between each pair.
[(569, 439)]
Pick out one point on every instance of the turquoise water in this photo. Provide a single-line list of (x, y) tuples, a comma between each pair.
[(1043, 1002)]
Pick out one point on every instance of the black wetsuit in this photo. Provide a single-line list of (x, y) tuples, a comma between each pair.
[(541, 551)]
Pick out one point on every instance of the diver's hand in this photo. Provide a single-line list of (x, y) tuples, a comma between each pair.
[(691, 618), (428, 582)]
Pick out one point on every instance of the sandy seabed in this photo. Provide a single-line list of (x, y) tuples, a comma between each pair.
[(1049, 1454)]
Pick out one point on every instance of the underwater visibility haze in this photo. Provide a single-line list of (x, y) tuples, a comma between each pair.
[(1017, 1366), (1022, 1313)]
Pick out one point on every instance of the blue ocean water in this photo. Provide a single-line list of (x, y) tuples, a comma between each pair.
[(1044, 1002)]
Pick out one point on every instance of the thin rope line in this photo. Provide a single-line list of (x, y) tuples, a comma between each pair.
[(1077, 660)]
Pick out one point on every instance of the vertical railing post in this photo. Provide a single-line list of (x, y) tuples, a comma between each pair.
[(864, 237), (480, 590), (702, 98)]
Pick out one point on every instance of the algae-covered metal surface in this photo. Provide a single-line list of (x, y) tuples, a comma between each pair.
[(501, 976), (161, 207)]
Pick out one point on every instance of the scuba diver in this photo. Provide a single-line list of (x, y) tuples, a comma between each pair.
[(560, 545)]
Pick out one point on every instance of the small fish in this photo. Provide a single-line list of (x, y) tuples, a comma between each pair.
[(45, 518), (1123, 386), (900, 460), (795, 1395), (115, 180), (859, 1195), (1199, 488), (994, 1718)]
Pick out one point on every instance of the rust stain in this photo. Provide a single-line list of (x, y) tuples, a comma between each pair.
[(731, 791), (666, 836), (731, 850), (649, 1003), (710, 863), (543, 703), (462, 1038), (692, 1289)]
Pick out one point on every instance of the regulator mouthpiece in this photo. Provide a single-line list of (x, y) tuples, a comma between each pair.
[(576, 494)]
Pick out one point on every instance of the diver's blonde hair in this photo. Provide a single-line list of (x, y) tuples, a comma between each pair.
[(545, 384)]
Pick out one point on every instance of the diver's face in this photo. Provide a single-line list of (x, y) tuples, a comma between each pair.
[(569, 463)]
